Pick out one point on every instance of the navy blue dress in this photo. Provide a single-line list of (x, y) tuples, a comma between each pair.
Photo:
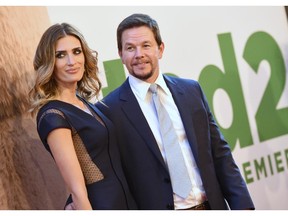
[(96, 148)]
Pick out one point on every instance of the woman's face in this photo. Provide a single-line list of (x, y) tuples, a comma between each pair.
[(69, 63)]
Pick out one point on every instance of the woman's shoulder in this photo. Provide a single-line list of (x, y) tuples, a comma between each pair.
[(52, 107), (49, 118), (54, 104)]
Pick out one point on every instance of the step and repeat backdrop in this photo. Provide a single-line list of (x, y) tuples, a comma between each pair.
[(238, 54)]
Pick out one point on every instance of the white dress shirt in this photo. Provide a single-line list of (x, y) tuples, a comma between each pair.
[(144, 98)]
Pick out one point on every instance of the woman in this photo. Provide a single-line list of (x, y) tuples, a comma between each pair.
[(79, 137)]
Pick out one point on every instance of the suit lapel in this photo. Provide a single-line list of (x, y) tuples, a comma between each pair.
[(133, 112), (182, 100)]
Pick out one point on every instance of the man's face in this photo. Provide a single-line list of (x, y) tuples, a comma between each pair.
[(141, 53)]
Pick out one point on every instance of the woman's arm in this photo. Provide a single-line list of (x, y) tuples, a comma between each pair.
[(62, 148)]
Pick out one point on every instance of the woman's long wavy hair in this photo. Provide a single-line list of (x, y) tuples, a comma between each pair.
[(45, 88)]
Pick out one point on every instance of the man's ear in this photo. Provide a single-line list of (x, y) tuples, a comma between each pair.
[(120, 55), (161, 50)]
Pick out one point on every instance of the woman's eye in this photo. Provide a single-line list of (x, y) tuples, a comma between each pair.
[(77, 51), (60, 55)]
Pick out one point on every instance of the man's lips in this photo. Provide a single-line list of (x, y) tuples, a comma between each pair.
[(140, 63)]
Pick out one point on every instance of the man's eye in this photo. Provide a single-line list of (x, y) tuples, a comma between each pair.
[(130, 48), (147, 46)]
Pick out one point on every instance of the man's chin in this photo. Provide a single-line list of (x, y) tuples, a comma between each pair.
[(142, 76)]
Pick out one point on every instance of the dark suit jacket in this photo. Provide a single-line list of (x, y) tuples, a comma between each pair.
[(144, 166)]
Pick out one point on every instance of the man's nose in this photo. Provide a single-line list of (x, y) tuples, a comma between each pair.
[(139, 53)]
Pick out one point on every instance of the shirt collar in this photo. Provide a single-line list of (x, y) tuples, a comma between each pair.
[(140, 88), (161, 82)]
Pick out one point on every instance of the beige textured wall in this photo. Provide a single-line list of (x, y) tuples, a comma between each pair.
[(29, 178)]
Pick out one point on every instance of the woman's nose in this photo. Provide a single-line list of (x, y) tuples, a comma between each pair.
[(71, 60)]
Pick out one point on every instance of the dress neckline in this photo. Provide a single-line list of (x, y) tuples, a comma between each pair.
[(88, 111)]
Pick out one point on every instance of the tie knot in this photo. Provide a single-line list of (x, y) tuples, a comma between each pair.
[(153, 88)]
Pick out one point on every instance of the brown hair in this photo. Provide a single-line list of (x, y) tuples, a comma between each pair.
[(138, 20), (45, 87)]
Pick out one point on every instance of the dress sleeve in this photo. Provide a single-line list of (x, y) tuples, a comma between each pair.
[(48, 121)]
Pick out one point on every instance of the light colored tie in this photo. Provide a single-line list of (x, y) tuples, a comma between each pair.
[(181, 183)]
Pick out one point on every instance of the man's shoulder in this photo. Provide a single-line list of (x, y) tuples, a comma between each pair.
[(114, 95), (181, 80)]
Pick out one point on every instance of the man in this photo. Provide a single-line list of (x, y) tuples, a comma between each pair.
[(214, 177)]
